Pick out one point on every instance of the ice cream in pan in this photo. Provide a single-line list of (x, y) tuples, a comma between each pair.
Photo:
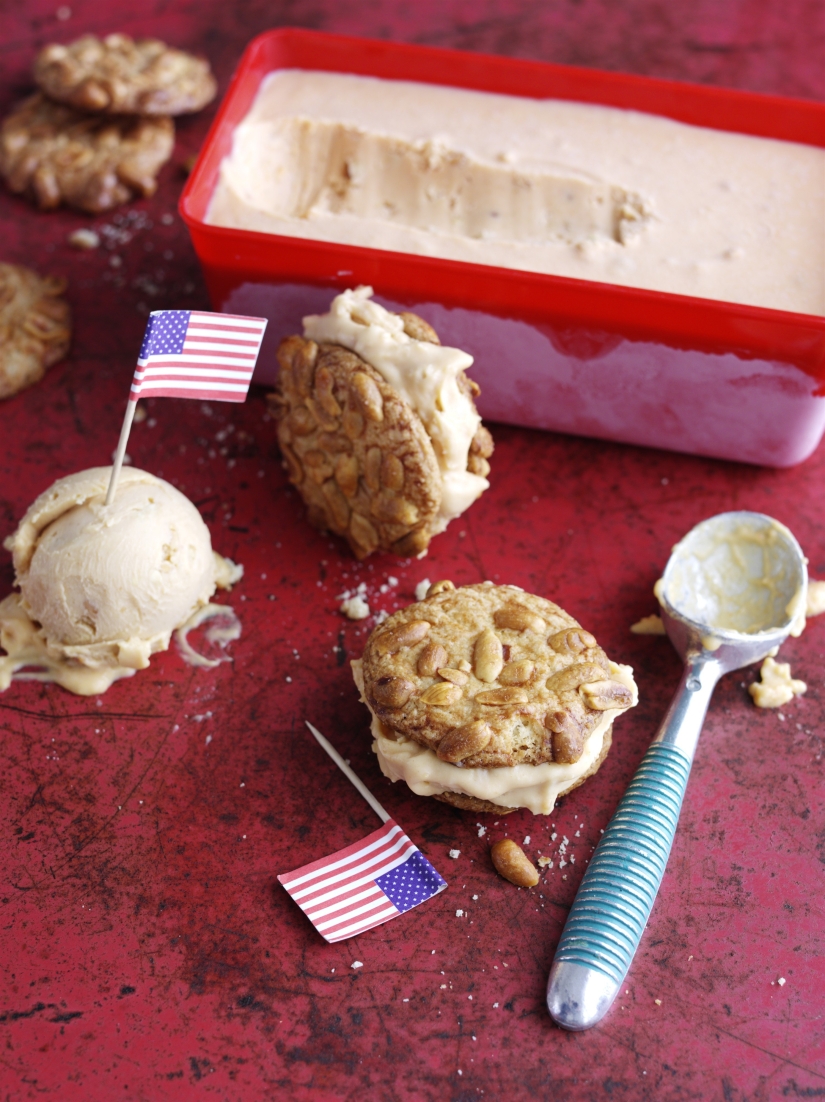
[(378, 427), (102, 588)]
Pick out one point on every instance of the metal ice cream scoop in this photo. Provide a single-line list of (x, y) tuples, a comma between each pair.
[(734, 589)]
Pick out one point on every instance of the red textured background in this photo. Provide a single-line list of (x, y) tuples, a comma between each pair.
[(147, 951)]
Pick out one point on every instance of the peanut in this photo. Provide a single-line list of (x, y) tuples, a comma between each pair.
[(568, 737), (603, 695), (346, 474), (440, 587), (369, 396), (392, 472), (353, 423), (404, 635), (442, 694), (571, 641), (372, 469), (337, 504), (458, 677), (363, 534), (463, 742), (431, 658), (509, 695), (518, 619), (392, 692), (323, 387), (487, 656), (517, 673), (511, 862), (573, 676)]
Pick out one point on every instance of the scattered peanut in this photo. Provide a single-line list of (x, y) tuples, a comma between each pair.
[(511, 862), (517, 673)]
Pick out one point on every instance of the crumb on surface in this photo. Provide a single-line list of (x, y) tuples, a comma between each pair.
[(776, 686), (355, 608), (357, 964), (84, 239), (781, 981), (455, 853), (649, 625), (421, 589), (816, 599)]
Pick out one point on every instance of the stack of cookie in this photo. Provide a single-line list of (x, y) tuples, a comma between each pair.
[(98, 131)]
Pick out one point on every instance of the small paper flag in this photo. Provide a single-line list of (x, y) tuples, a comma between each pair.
[(194, 354), (364, 885)]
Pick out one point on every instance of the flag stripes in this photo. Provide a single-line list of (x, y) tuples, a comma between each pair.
[(194, 354), (364, 885)]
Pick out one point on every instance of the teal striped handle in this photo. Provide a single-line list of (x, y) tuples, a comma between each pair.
[(616, 896)]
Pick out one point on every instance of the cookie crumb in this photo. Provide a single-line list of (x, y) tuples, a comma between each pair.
[(781, 981), (649, 625), (460, 914), (355, 608), (421, 589), (357, 964), (776, 686), (658, 1002), (816, 598), (545, 862), (84, 239), (455, 853)]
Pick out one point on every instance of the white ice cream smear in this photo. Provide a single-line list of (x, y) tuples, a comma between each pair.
[(424, 374), (536, 787), (103, 588), (739, 576)]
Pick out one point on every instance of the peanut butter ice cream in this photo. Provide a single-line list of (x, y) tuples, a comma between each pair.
[(103, 588), (550, 186)]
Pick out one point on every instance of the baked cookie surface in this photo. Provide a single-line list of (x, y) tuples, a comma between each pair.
[(488, 676), (35, 326), (120, 75), (357, 452), (54, 154)]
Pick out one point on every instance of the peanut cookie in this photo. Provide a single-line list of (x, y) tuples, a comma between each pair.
[(118, 75), (54, 154), (35, 327), (490, 676), (357, 452)]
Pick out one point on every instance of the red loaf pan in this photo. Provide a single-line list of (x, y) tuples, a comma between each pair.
[(643, 367)]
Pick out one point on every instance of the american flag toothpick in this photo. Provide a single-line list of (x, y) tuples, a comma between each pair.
[(367, 883), (191, 354)]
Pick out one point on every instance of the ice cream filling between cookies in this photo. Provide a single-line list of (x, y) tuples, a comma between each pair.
[(535, 787), (424, 374)]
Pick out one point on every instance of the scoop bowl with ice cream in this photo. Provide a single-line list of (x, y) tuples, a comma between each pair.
[(733, 590), (102, 588)]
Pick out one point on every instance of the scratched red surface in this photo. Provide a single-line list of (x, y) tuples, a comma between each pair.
[(147, 950)]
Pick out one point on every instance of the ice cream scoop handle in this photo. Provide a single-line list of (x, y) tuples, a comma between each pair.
[(616, 896)]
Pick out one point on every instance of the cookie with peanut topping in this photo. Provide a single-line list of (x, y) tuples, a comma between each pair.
[(489, 677), (35, 326), (54, 154), (356, 451), (121, 75), (378, 426)]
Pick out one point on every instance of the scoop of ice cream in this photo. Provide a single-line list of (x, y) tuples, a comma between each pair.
[(107, 585)]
